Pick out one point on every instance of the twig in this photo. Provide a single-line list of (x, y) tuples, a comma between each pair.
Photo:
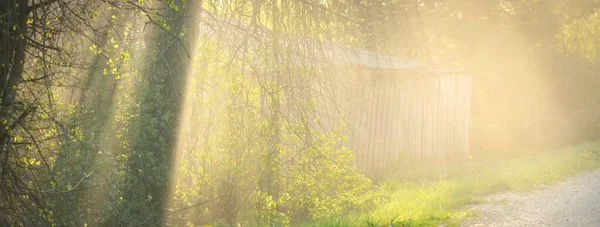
[(74, 187)]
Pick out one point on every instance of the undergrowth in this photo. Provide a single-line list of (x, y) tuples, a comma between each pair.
[(434, 197)]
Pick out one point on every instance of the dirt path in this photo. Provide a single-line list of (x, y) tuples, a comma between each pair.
[(574, 202)]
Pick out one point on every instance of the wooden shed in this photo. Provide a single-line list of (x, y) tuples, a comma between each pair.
[(398, 111)]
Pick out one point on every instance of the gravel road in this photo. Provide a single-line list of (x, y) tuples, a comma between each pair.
[(574, 202)]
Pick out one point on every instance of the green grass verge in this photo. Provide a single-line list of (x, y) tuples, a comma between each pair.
[(432, 197)]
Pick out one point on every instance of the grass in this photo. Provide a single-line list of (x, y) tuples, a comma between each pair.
[(430, 197)]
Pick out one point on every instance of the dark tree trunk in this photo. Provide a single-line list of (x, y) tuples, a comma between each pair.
[(12, 60)]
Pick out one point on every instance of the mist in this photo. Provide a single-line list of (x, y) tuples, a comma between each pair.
[(298, 113)]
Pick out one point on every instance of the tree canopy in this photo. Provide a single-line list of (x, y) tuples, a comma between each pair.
[(184, 112)]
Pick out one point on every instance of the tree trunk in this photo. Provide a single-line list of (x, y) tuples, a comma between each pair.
[(13, 44)]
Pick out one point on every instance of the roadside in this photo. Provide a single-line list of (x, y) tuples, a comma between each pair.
[(438, 196), (574, 202)]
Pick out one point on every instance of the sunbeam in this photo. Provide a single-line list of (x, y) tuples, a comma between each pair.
[(299, 113)]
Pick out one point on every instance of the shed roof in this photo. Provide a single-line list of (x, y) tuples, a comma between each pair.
[(234, 33), (337, 54)]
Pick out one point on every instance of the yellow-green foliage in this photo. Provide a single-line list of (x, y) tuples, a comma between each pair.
[(580, 37), (438, 199), (245, 134)]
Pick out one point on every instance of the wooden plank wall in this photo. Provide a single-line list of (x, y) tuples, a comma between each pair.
[(398, 119)]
